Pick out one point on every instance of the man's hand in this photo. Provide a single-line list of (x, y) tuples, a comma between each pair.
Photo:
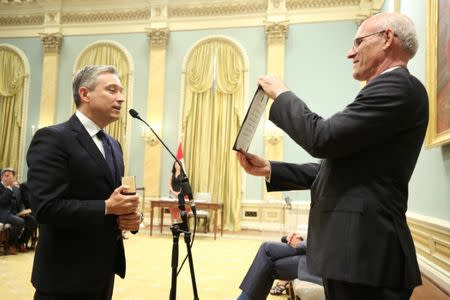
[(272, 86), (253, 164), (293, 239), (130, 221), (118, 204)]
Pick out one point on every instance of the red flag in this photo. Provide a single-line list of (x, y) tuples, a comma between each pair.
[(180, 156)]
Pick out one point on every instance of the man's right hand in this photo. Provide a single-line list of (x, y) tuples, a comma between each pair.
[(254, 164), (119, 204)]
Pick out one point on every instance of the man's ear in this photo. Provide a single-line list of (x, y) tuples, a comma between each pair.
[(389, 36), (83, 91)]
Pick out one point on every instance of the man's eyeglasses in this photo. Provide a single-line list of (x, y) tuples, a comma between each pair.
[(358, 41)]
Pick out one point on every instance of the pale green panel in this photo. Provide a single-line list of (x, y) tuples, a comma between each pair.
[(33, 50), (253, 41), (137, 45), (318, 72), (429, 188)]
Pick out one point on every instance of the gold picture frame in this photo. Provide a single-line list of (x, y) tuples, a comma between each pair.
[(437, 73)]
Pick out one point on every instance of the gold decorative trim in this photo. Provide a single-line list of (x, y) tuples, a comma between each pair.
[(27, 17), (302, 4), (105, 16), (218, 9), (276, 31), (158, 37), (22, 20), (15, 2), (51, 41)]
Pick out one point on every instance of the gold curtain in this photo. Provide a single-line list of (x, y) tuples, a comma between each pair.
[(211, 120), (109, 54), (12, 79)]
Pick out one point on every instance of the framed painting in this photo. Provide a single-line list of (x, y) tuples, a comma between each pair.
[(438, 71)]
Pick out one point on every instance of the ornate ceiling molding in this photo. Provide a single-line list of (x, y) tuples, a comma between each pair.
[(105, 16), (28, 17), (22, 20), (222, 9), (308, 4)]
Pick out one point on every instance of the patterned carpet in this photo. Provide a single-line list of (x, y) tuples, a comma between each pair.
[(219, 268)]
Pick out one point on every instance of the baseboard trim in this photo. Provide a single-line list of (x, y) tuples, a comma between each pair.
[(432, 240)]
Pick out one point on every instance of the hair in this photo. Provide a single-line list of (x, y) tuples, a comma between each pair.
[(4, 170), (87, 77), (173, 167), (404, 29)]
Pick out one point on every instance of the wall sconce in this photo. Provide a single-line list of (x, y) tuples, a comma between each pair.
[(148, 136), (272, 133)]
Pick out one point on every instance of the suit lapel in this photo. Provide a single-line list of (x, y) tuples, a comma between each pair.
[(88, 144)]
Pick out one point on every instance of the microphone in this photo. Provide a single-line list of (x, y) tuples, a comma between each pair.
[(184, 181)]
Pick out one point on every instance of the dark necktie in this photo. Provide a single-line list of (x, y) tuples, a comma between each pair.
[(109, 156)]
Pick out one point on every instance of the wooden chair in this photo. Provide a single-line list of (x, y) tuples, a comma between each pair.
[(202, 215)]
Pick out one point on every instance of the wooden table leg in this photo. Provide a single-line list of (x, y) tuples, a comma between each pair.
[(162, 216), (151, 219), (215, 223), (221, 221)]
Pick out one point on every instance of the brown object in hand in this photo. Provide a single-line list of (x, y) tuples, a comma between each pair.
[(131, 182)]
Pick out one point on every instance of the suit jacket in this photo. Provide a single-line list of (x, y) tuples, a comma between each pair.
[(303, 272), (69, 180), (357, 229), (10, 201)]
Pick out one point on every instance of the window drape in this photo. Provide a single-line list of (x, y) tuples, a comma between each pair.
[(211, 119), (109, 54), (12, 79)]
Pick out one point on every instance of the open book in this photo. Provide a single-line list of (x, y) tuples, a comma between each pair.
[(251, 120)]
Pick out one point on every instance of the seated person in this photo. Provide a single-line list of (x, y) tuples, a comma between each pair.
[(10, 205), (174, 186), (276, 260)]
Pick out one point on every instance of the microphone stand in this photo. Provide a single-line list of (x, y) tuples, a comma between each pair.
[(178, 228), (182, 227)]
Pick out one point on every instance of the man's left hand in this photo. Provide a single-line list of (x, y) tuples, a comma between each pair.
[(130, 221), (272, 86)]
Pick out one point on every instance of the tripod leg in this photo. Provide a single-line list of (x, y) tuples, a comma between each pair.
[(174, 264), (187, 240)]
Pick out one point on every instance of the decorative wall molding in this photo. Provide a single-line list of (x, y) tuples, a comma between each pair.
[(105, 16), (302, 4), (20, 18), (51, 41), (432, 240), (218, 9), (158, 37)]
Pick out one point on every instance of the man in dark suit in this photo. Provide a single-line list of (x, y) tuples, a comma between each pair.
[(74, 176), (9, 201), (275, 260), (360, 189), (12, 199)]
